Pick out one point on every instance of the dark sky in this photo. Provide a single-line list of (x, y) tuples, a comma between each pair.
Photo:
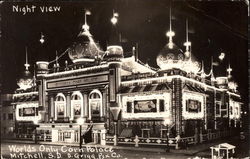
[(214, 27)]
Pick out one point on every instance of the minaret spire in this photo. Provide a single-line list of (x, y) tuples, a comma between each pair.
[(34, 76), (85, 26), (187, 43), (229, 70), (170, 33), (57, 64), (26, 65)]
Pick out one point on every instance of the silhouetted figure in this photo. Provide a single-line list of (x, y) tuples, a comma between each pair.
[(87, 136)]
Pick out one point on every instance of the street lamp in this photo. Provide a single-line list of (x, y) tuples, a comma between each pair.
[(166, 123), (80, 122), (115, 111), (35, 123)]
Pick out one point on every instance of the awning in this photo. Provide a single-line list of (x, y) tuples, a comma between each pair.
[(223, 146), (145, 88), (26, 98), (194, 88)]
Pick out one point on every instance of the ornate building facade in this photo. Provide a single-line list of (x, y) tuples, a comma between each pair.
[(128, 99)]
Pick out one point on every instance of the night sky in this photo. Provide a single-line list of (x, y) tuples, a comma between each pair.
[(214, 27)]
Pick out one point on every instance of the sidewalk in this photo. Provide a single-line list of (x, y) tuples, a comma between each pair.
[(191, 150)]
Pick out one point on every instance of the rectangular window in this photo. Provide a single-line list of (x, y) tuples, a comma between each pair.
[(145, 106), (217, 106), (29, 111), (36, 111), (67, 135), (20, 112), (237, 111), (129, 107), (4, 117), (162, 105), (231, 110), (10, 116), (193, 106)]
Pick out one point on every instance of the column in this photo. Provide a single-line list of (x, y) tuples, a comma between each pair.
[(103, 136), (104, 100), (177, 105), (68, 105), (52, 106), (85, 106)]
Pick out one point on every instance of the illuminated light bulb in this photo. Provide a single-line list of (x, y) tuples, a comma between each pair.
[(85, 27), (229, 70), (114, 20), (171, 45), (222, 56), (170, 34), (187, 43), (87, 12), (187, 53), (116, 14), (42, 39)]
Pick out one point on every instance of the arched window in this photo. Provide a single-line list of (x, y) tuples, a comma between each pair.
[(76, 105), (95, 105), (60, 106)]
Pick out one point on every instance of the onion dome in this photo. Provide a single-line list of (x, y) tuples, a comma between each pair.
[(84, 49), (190, 65), (170, 57), (26, 80)]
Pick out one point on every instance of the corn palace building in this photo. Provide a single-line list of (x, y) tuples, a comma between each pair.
[(128, 101)]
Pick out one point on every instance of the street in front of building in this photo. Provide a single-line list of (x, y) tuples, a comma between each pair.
[(20, 150), (28, 149)]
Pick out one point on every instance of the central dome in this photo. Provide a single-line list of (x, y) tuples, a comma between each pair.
[(84, 49), (170, 57), (26, 80)]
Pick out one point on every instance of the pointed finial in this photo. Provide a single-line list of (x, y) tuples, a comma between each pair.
[(56, 57), (229, 70), (26, 65), (34, 76), (57, 64), (187, 43), (85, 26), (170, 33)]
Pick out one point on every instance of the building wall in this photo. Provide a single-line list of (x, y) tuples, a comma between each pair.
[(7, 116)]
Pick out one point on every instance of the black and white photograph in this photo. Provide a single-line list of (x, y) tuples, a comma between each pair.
[(125, 79)]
